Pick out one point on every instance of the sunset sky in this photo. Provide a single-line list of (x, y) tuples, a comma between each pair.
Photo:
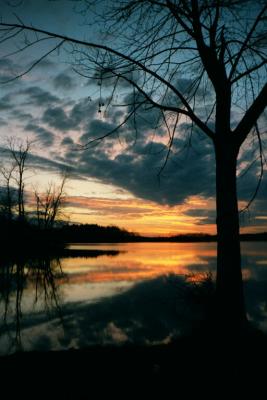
[(116, 181)]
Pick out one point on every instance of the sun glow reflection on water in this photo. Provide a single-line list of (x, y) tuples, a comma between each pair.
[(137, 262), (121, 292)]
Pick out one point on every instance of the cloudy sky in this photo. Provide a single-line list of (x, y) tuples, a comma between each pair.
[(115, 180)]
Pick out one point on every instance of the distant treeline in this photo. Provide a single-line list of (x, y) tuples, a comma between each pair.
[(19, 233), (82, 233), (199, 237)]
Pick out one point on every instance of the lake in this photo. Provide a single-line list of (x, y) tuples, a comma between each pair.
[(116, 293)]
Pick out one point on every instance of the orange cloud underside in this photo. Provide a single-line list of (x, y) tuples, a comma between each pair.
[(144, 217)]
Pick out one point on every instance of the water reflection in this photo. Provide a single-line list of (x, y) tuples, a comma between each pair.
[(140, 261), (18, 278), (99, 294)]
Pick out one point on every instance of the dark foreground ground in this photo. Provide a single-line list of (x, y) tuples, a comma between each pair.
[(193, 367)]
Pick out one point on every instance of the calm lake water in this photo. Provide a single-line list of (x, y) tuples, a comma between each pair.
[(117, 293)]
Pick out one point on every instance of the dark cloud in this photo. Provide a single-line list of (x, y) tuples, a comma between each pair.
[(22, 116), (105, 78), (144, 118), (13, 3), (249, 175), (72, 157), (190, 169), (45, 136), (142, 124), (136, 170), (3, 122), (256, 214), (39, 97), (63, 81), (6, 103), (8, 70), (43, 163), (97, 128), (190, 87), (205, 215), (83, 111), (45, 64), (48, 165), (67, 141), (58, 118), (5, 63)]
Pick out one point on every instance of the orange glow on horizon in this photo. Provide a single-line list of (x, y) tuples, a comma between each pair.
[(144, 217)]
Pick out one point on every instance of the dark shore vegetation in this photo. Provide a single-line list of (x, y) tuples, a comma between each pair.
[(193, 365), (28, 237), (88, 233)]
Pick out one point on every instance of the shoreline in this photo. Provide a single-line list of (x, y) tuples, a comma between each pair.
[(193, 363)]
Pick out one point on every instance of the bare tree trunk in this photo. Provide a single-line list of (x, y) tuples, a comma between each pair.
[(229, 287), (19, 152), (8, 203), (21, 198)]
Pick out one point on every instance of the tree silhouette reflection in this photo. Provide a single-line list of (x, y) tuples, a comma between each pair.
[(16, 275)]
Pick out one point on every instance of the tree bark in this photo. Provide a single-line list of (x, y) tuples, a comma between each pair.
[(229, 285)]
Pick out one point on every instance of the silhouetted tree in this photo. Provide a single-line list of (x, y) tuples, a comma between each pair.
[(174, 54), (49, 204), (7, 199), (19, 151)]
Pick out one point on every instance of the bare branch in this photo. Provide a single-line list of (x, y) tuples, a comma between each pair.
[(251, 116), (246, 41), (34, 64), (64, 38)]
